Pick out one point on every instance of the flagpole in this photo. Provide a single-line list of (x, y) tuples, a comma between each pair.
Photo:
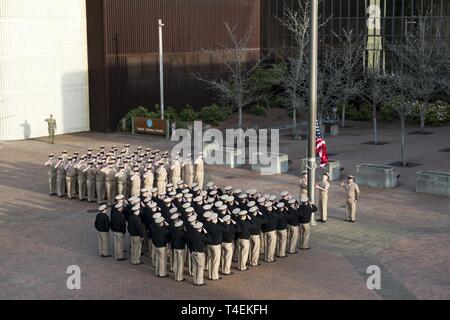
[(312, 105)]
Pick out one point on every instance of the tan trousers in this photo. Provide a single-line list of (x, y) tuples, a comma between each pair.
[(235, 250), (110, 187), (61, 185), (305, 229), (150, 249), (190, 263), (121, 189), (161, 261), (292, 238), (351, 209), (81, 189), (199, 178), (119, 245), (153, 254), (262, 243), (255, 242), (198, 266), (178, 264), (52, 184), (135, 250), (103, 243), (100, 186), (270, 245), (90, 186), (214, 262), (70, 183), (226, 257), (170, 256), (323, 206), (243, 250), (281, 242)]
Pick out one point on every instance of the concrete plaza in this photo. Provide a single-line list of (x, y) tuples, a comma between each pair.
[(405, 233)]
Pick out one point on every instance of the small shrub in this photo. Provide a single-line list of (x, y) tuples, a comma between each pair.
[(257, 110), (213, 114), (437, 114), (188, 114), (136, 112), (364, 112), (171, 114), (387, 112)]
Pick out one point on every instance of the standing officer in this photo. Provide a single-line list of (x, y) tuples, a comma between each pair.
[(243, 240), (122, 179), (176, 171), (149, 177), (199, 170), (91, 172), (188, 169), (100, 179), (161, 178), (281, 230), (102, 225), (230, 228), (178, 240), (293, 228), (323, 188), (352, 193), (110, 183), (269, 231), (82, 178), (305, 211), (304, 184), (160, 239), (136, 231), (71, 174), (135, 183), (52, 173), (119, 227), (215, 232), (197, 240), (51, 123), (255, 235)]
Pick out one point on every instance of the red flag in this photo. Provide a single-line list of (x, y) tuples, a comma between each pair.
[(321, 147)]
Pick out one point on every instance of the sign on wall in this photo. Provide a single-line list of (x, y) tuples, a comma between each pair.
[(151, 126)]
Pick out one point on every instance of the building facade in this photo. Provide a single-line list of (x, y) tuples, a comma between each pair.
[(43, 67)]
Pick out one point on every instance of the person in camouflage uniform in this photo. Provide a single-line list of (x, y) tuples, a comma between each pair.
[(51, 122)]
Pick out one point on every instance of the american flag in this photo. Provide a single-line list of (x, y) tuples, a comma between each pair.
[(321, 147)]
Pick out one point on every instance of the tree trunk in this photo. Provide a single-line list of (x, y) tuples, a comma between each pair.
[(240, 116), (403, 142), (294, 120), (422, 121), (375, 128), (343, 116)]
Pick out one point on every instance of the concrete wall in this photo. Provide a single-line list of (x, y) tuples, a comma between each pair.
[(43, 67), (433, 182)]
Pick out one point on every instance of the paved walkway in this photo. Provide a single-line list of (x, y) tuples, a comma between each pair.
[(406, 234)]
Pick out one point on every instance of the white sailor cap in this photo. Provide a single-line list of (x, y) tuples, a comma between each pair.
[(185, 191), (192, 218), (194, 185), (210, 184), (198, 199), (214, 216), (237, 191), (147, 200), (152, 205), (198, 225), (207, 207), (154, 190), (236, 211), (136, 208), (203, 194), (251, 204), (304, 198), (207, 215), (230, 199), (261, 200), (119, 205), (213, 193), (186, 205), (242, 196), (272, 198), (223, 208), (226, 218), (178, 196), (228, 188), (172, 193), (174, 216), (210, 201), (251, 191), (179, 223), (291, 201), (167, 200), (169, 185), (120, 197), (284, 193), (144, 190), (156, 215), (243, 213), (103, 207), (253, 209), (196, 189), (132, 199), (224, 197), (159, 220), (280, 205), (218, 204), (188, 195), (268, 204), (189, 210), (180, 182)]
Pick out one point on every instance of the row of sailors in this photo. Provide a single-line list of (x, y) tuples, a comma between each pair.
[(104, 175), (205, 229)]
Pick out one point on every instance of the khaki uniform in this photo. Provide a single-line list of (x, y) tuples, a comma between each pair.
[(90, 183), (270, 245), (179, 257), (119, 245), (71, 175), (255, 241), (136, 185), (199, 172), (52, 173), (188, 170), (303, 186), (176, 172), (161, 261), (281, 242), (103, 243), (161, 179), (293, 232), (110, 186), (148, 179), (82, 180), (352, 194), (323, 201), (122, 181), (305, 229), (226, 257), (243, 247), (100, 179), (198, 267), (135, 249), (214, 261)]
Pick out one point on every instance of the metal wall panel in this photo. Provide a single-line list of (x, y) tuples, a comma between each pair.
[(43, 67)]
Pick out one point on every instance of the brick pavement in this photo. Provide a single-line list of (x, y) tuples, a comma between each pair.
[(405, 233)]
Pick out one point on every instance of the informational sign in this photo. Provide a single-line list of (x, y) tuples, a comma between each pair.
[(150, 126)]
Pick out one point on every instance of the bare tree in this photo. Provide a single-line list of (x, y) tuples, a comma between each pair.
[(419, 56), (294, 82), (236, 89), (349, 51), (376, 89)]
